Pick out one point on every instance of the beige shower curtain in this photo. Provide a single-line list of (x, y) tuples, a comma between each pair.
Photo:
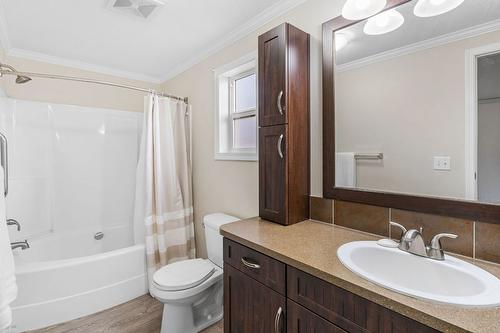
[(164, 201)]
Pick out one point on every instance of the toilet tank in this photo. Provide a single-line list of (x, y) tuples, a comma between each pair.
[(212, 224)]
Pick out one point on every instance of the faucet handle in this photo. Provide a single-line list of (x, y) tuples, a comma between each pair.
[(436, 240), (14, 222), (400, 226)]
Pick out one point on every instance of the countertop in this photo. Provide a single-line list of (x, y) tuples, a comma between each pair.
[(312, 247)]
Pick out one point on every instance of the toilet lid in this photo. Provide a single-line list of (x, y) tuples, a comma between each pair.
[(183, 274)]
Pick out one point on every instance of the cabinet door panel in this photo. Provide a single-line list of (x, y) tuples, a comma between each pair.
[(272, 173), (301, 320), (249, 306), (272, 76)]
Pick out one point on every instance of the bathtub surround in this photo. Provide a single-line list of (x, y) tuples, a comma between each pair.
[(8, 287), (72, 175), (164, 204)]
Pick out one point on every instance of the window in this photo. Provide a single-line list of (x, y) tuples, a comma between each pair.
[(236, 110)]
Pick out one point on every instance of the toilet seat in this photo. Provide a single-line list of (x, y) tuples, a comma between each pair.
[(183, 275)]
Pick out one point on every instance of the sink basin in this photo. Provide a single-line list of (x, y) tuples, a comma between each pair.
[(452, 281)]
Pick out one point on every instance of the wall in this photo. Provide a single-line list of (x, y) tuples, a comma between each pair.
[(232, 187), (488, 155), (475, 239), (426, 115), (73, 93)]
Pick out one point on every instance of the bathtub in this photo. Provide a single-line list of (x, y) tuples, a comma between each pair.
[(67, 275)]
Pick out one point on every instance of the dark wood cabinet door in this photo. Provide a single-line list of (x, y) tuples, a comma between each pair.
[(272, 77), (272, 173), (301, 320), (249, 306)]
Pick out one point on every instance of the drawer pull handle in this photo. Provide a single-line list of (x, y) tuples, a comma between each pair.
[(277, 320), (278, 102), (249, 264), (280, 141)]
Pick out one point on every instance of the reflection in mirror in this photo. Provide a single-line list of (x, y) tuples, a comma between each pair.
[(417, 102)]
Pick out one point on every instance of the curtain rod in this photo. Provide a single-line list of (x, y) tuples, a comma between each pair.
[(79, 79)]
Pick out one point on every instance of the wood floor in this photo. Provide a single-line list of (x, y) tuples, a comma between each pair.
[(141, 315)]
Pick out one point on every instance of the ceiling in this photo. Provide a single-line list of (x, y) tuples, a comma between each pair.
[(88, 35), (481, 14)]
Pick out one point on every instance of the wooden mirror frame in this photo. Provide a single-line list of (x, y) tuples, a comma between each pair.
[(470, 210)]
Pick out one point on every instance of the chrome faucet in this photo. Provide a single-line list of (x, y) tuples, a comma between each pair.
[(23, 245), (14, 222), (413, 242)]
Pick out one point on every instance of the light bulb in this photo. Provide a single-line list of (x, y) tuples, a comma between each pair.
[(430, 8), (382, 20), (383, 23), (362, 4), (361, 9)]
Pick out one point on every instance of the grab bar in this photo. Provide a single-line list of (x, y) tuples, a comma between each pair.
[(4, 161)]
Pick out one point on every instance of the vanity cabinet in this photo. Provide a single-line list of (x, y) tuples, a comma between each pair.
[(250, 306), (262, 294), (284, 125)]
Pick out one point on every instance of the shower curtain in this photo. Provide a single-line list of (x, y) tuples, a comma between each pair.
[(164, 200)]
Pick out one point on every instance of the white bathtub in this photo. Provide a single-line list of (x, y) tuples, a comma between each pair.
[(68, 275)]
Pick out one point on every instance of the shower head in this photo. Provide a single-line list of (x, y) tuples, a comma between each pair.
[(20, 79)]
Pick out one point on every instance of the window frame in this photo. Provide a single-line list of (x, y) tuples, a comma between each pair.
[(225, 105), (233, 115)]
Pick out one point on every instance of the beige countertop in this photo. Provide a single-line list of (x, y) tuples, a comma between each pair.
[(312, 247)]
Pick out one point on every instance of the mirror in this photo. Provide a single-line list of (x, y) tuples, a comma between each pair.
[(417, 109)]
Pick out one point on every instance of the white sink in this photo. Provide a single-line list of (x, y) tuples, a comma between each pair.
[(452, 281)]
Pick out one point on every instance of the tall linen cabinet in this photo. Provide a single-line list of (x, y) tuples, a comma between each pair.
[(284, 152)]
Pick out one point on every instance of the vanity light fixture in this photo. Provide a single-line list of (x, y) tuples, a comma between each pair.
[(361, 9), (384, 22), (430, 8), (341, 40)]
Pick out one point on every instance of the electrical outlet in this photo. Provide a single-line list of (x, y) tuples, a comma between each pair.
[(442, 163)]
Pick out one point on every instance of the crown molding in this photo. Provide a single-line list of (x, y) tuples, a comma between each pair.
[(420, 46), (250, 26), (11, 51), (244, 30), (38, 56)]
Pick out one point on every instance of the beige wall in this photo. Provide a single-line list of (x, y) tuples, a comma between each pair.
[(425, 118), (232, 187), (73, 93)]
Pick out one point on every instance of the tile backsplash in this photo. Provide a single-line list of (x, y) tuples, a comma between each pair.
[(475, 239)]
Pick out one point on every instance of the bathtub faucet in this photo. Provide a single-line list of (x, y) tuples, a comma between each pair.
[(23, 245), (14, 222)]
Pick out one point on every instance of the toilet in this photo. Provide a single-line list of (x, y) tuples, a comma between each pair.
[(191, 290)]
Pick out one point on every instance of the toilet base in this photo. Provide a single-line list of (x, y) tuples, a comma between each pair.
[(194, 315)]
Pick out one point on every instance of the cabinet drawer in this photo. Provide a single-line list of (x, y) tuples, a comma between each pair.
[(346, 310), (301, 320), (267, 270)]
